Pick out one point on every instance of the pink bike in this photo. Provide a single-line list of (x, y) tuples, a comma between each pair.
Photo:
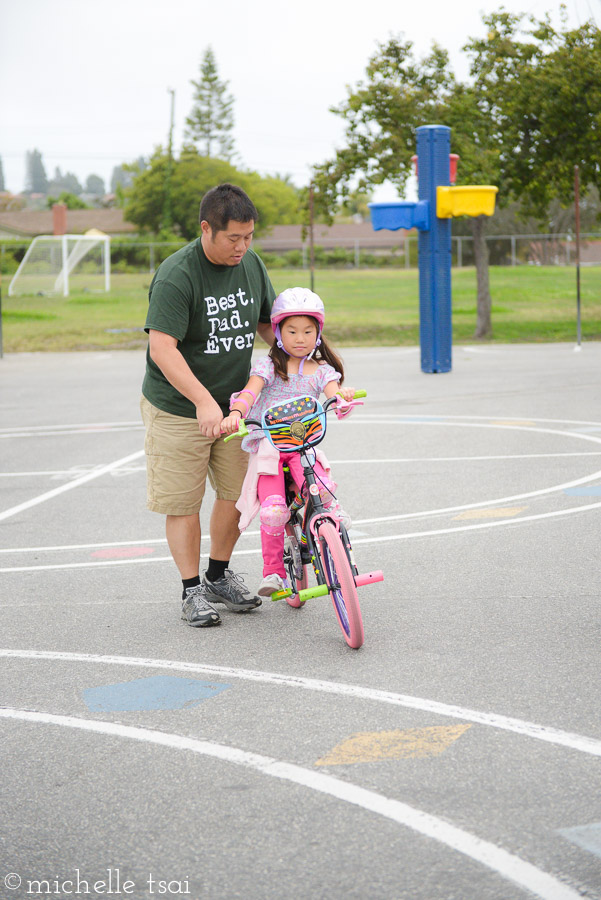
[(315, 537)]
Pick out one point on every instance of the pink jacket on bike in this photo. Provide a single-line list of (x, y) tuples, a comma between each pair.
[(264, 462)]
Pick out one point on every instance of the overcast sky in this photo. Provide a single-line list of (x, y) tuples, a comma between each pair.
[(86, 83)]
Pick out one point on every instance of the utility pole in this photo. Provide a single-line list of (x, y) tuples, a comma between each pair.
[(167, 214), (577, 217), (311, 244)]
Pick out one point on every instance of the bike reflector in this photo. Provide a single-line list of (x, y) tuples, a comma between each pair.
[(294, 423)]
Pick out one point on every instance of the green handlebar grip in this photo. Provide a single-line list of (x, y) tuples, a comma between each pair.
[(356, 395), (242, 432)]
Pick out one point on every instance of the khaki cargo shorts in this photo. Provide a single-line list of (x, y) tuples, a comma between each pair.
[(179, 458)]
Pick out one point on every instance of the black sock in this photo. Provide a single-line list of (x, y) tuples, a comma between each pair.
[(216, 569), (188, 583)]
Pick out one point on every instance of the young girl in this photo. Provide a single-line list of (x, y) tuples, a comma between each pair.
[(300, 362)]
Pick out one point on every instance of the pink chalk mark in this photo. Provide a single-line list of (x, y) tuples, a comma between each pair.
[(121, 552)]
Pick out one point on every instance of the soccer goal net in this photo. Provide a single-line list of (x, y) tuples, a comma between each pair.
[(58, 264)]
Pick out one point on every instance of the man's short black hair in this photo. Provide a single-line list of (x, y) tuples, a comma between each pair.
[(226, 202)]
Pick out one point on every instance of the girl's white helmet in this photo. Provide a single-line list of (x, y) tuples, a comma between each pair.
[(297, 302)]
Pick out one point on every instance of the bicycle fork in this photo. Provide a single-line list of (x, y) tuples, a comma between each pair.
[(316, 511)]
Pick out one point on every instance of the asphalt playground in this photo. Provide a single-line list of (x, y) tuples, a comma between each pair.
[(455, 756)]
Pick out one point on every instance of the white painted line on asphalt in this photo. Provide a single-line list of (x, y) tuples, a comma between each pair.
[(414, 419), (88, 426), (56, 430), (372, 540), (423, 459), (71, 473), (352, 462), (375, 520), (15, 430), (572, 741), (93, 546), (34, 474), (530, 418), (503, 426), (96, 565), (507, 865), (503, 522), (498, 501), (41, 498)]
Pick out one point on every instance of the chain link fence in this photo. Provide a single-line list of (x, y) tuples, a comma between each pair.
[(504, 250)]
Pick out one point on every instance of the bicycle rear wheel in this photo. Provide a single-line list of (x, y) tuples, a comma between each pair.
[(297, 572), (342, 584)]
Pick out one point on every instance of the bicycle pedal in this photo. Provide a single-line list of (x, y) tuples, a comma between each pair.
[(281, 595)]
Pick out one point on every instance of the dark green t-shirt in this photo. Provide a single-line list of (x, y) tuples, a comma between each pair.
[(213, 312)]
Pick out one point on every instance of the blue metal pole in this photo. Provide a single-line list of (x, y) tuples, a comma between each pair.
[(433, 154)]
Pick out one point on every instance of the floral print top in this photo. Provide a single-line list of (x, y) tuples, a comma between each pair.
[(275, 390)]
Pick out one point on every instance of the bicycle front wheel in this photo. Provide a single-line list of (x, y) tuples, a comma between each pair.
[(342, 586)]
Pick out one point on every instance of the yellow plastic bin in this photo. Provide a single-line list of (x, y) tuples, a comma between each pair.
[(465, 200)]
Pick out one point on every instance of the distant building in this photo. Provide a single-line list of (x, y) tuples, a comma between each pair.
[(28, 223), (282, 238)]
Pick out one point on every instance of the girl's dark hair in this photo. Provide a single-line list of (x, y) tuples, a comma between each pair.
[(226, 202), (323, 352)]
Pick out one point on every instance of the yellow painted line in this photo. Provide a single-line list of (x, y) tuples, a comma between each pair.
[(502, 512), (369, 746)]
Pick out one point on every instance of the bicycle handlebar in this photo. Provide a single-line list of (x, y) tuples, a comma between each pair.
[(243, 429)]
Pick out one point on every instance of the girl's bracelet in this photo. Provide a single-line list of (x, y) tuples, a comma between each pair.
[(248, 391)]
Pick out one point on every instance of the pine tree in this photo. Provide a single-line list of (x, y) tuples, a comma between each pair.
[(36, 179), (211, 121), (94, 185)]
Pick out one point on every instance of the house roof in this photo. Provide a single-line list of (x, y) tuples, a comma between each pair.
[(31, 222), (289, 237)]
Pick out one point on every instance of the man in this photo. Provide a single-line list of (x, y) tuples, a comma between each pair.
[(207, 302)]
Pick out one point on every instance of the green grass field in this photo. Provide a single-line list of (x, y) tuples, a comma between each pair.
[(364, 307)]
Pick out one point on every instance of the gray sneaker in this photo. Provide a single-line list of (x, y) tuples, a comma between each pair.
[(196, 610), (232, 591)]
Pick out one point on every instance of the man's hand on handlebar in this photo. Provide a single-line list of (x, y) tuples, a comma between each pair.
[(209, 415)]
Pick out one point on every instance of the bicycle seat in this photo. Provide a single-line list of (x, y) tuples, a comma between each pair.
[(294, 423)]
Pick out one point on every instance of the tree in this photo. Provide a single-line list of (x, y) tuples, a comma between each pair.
[(2, 185), (71, 201), (356, 206), (94, 185), (67, 183), (119, 178), (123, 176), (211, 120), (192, 176), (510, 122), (524, 81), (11, 202), (36, 181), (382, 115), (276, 199), (541, 88)]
